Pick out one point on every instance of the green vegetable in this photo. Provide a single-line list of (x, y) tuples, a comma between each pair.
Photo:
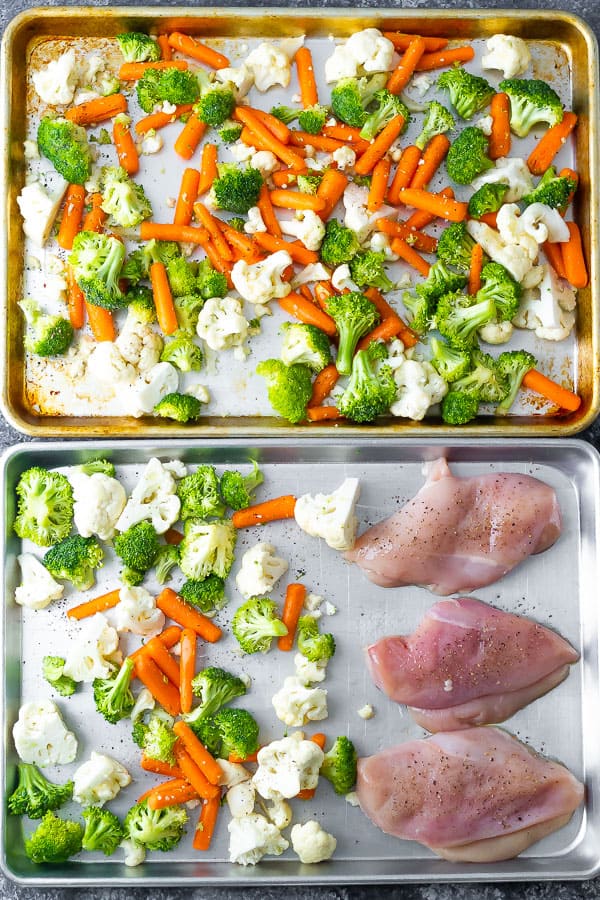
[(159, 740), (485, 379), (367, 270), (237, 223), (97, 260), (285, 114), (236, 189), (179, 407), (138, 548), (34, 795), (236, 489), (75, 559), (167, 559), (215, 106), (458, 407), (137, 265), (44, 506), (421, 306), (53, 672), (199, 494), (354, 316), (209, 282), (182, 276), (207, 549), (487, 199), (182, 352), (140, 304), (50, 335), (459, 316), (289, 388), (238, 732), (455, 246), (499, 285), (313, 118), (230, 131), (531, 102), (304, 344), (214, 687), (339, 245), (308, 184), (138, 47), (468, 93), (65, 145), (513, 365), (187, 310), (138, 732), (255, 624), (371, 389), (552, 189), (438, 120), (311, 644), (98, 466), (339, 765), (123, 198), (155, 829), (388, 107), (207, 595), (112, 695), (467, 156), (351, 96), (207, 732), (166, 85), (448, 361), (103, 831), (54, 840)]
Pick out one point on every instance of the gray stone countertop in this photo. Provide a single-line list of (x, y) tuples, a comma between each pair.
[(590, 11)]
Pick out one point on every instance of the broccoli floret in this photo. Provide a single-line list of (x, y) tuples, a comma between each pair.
[(468, 93), (182, 352), (214, 687), (167, 559), (255, 624), (236, 190), (45, 506), (513, 365), (455, 246), (230, 131), (95, 466), (50, 335), (140, 304), (179, 407), (289, 388), (199, 494), (351, 97), (112, 696), (311, 644), (448, 361), (552, 189), (438, 120), (103, 831), (339, 765), (238, 223), (138, 732), (237, 489), (207, 549), (75, 559), (137, 265), (138, 47), (209, 282), (238, 732), (487, 199), (459, 316), (498, 283), (339, 245), (388, 107), (207, 733), (159, 740), (138, 548), (367, 270), (305, 344), (34, 795), (53, 672), (207, 595), (531, 101), (485, 380), (155, 829), (215, 106), (65, 145), (313, 118), (187, 310), (182, 276), (421, 306), (371, 390), (54, 840), (123, 198), (354, 316), (97, 260), (170, 85), (308, 184), (285, 114), (459, 407), (467, 156)]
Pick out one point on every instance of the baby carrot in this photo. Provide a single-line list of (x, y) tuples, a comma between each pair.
[(213, 226), (573, 258), (306, 77), (200, 52), (252, 757), (75, 300), (435, 152), (278, 128), (407, 166), (101, 322), (332, 186), (163, 659), (193, 773), (500, 139), (243, 245), (443, 58), (554, 256), (261, 513), (206, 825), (380, 146), (318, 141), (405, 68), (292, 607), (542, 155), (297, 251), (285, 177), (158, 684), (207, 764), (347, 134), (166, 52), (125, 145), (173, 537), (475, 269), (98, 110), (188, 192), (190, 136), (442, 207), (187, 662), (406, 252), (322, 413), (158, 120), (70, 223), (418, 239), (249, 118), (387, 329), (167, 231), (133, 71), (148, 764), (378, 188), (91, 607), (402, 41), (171, 793), (169, 637), (420, 218), (181, 612), (208, 168), (96, 217), (163, 299), (323, 385), (539, 383), (267, 212), (490, 219), (296, 200), (309, 313)]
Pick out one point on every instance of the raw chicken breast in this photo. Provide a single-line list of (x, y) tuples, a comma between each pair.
[(459, 534), (469, 664), (471, 796)]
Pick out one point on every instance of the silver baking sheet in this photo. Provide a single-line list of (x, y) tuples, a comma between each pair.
[(557, 588)]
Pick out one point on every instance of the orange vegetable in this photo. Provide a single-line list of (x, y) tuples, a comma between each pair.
[(406, 67), (72, 216), (91, 607), (125, 147), (387, 329), (75, 300), (163, 659), (200, 52), (297, 251), (98, 110), (434, 154), (163, 299), (323, 385), (573, 258), (232, 758), (442, 207), (248, 117), (308, 793), (292, 607), (319, 141), (406, 252), (537, 382), (405, 171), (96, 217), (297, 200), (417, 239), (213, 226), (309, 313), (158, 684), (554, 256), (402, 41), (500, 139), (243, 244), (475, 270), (133, 71), (101, 322), (332, 186), (322, 413), (207, 764), (190, 136), (306, 77), (261, 513), (548, 146), (194, 774), (187, 664), (188, 192), (267, 212), (165, 49), (421, 218), (172, 536), (347, 135), (444, 58), (174, 607), (490, 219), (378, 188), (278, 128), (208, 168), (169, 637), (171, 793), (285, 177), (158, 120), (207, 823), (148, 764), (379, 146), (169, 232)]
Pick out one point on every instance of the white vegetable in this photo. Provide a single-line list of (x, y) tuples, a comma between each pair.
[(345, 157), (135, 854), (241, 798), (107, 365), (38, 588), (352, 798), (55, 84), (357, 216), (255, 223), (312, 602), (549, 308), (514, 257), (308, 672), (496, 332), (151, 143), (152, 386), (99, 780), (251, 838), (311, 272), (287, 767), (511, 171), (364, 51), (279, 813), (312, 843), (233, 773), (260, 570), (138, 343), (91, 653), (507, 53), (240, 77), (41, 736), (331, 516), (144, 701), (199, 391), (380, 243), (260, 282), (136, 612), (419, 387), (366, 711), (265, 161), (296, 704), (30, 150), (307, 226), (153, 498), (222, 323), (485, 124), (39, 208), (99, 501), (537, 222), (269, 66), (421, 83), (341, 279)]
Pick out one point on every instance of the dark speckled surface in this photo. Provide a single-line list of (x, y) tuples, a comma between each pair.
[(589, 10)]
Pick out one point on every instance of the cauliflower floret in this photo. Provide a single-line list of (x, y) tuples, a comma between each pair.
[(308, 672), (496, 332), (259, 571), (311, 843), (307, 226), (151, 143), (241, 78), (241, 798), (55, 84), (279, 813), (311, 272), (99, 501), (352, 798), (96, 76), (420, 84), (514, 257), (340, 278), (295, 704), (222, 323), (41, 737), (38, 588), (549, 308), (507, 53), (233, 773), (242, 152), (533, 277), (331, 516), (312, 602), (99, 780), (39, 208), (255, 223), (199, 391), (106, 365), (380, 243), (357, 216), (265, 161), (419, 387), (252, 837), (144, 701), (365, 51), (269, 66), (260, 282), (345, 157), (91, 654), (30, 150), (135, 854), (154, 497), (139, 344), (485, 124), (538, 223), (366, 712), (287, 767), (151, 387), (136, 611), (511, 171)]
